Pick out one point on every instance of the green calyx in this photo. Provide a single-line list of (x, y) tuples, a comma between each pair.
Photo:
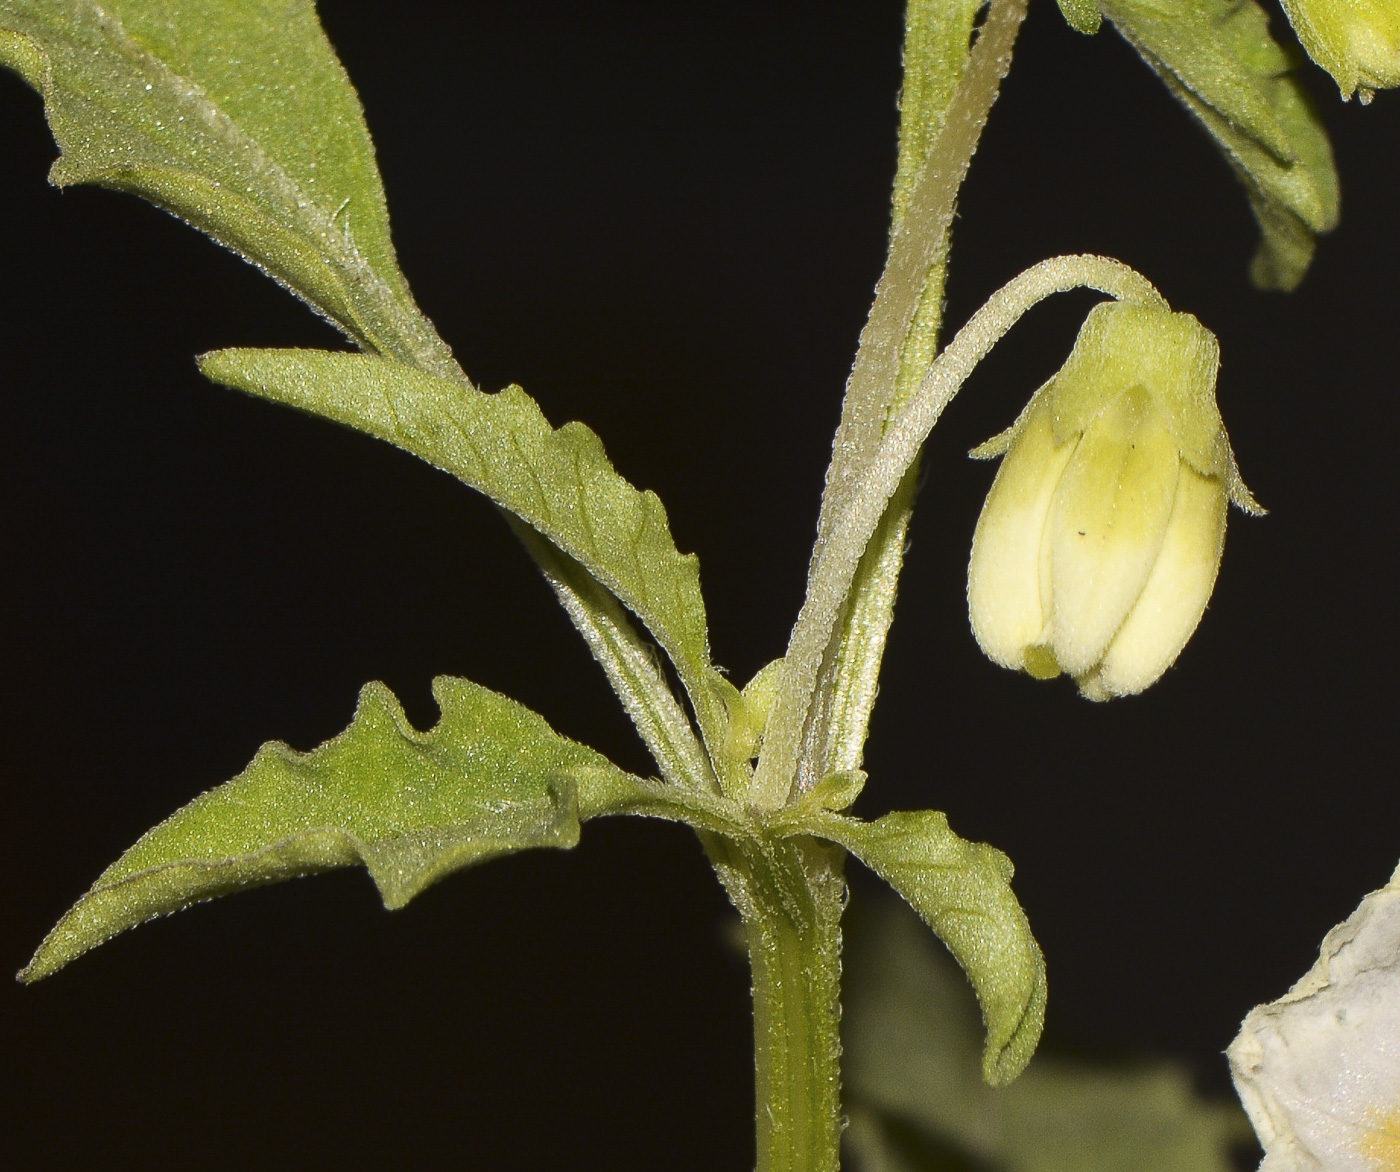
[(1356, 41), (1171, 356)]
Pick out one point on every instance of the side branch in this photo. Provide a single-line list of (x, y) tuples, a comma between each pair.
[(918, 242)]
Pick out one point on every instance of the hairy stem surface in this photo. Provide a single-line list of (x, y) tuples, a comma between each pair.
[(827, 731), (790, 894)]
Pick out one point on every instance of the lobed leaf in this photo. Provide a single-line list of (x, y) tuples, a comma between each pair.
[(559, 482), (962, 890), (236, 116), (490, 778), (1218, 59)]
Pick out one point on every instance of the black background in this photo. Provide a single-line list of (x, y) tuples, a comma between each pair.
[(665, 221)]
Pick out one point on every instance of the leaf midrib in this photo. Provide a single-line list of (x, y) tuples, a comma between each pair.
[(301, 211)]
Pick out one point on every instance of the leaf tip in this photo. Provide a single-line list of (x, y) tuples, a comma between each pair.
[(79, 931), (1082, 15), (1006, 1056), (221, 366)]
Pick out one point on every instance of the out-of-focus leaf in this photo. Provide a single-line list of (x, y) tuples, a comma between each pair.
[(236, 116), (910, 1040), (490, 778), (559, 482), (876, 1142), (1218, 59), (963, 892)]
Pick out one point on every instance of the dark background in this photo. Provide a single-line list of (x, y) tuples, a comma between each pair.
[(665, 221)]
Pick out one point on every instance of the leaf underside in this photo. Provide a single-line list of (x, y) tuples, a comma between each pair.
[(489, 779), (1219, 61), (962, 890), (236, 116)]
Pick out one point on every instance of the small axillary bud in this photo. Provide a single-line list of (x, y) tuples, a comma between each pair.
[(748, 712), (1356, 41), (1099, 542)]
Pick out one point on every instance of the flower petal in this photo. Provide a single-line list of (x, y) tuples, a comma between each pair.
[(1106, 525), (1177, 590), (1003, 577), (1319, 1069)]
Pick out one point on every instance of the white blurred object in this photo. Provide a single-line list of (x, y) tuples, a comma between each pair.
[(1318, 1070)]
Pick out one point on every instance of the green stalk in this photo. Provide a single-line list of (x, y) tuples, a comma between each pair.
[(790, 894), (808, 733)]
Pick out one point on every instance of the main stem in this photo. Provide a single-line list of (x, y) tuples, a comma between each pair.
[(790, 894)]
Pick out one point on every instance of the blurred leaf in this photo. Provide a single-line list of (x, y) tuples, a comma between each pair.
[(963, 892), (490, 778), (559, 482), (910, 1038), (236, 116), (1218, 59), (885, 1143)]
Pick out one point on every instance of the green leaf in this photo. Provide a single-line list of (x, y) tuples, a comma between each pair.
[(937, 37), (490, 778), (559, 482), (963, 892), (1082, 15), (917, 1103), (1218, 59), (236, 116)]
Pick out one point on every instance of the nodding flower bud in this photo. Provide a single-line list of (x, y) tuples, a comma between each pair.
[(1098, 545), (1356, 41)]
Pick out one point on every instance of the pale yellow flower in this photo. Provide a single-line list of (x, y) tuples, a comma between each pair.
[(1100, 540)]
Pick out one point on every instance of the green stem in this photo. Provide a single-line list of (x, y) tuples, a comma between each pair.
[(790, 894), (899, 337)]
